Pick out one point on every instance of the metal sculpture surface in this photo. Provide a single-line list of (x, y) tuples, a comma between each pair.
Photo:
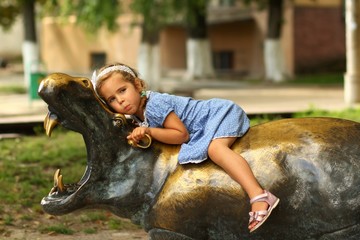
[(312, 164)]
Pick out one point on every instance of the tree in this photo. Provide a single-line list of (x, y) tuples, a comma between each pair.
[(150, 14), (273, 54), (198, 50), (154, 15), (10, 9), (30, 48), (90, 15)]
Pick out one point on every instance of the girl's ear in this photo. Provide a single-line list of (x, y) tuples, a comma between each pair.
[(138, 85)]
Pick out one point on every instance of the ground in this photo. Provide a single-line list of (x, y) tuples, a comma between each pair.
[(23, 233), (80, 226)]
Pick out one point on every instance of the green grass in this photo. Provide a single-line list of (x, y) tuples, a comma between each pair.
[(27, 166), (319, 79), (60, 229), (12, 89), (350, 113)]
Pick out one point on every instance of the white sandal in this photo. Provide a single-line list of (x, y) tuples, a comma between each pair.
[(261, 216)]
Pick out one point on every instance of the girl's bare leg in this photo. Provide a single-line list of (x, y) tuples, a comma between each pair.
[(238, 169)]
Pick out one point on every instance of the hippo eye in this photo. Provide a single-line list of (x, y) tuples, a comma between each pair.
[(119, 120), (86, 82)]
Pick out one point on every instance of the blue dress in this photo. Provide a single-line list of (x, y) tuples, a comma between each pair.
[(205, 120)]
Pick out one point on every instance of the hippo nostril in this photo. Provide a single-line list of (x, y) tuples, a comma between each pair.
[(86, 82)]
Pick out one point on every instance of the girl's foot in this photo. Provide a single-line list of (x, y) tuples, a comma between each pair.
[(262, 206)]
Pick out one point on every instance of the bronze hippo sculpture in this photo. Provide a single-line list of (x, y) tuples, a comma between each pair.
[(312, 164)]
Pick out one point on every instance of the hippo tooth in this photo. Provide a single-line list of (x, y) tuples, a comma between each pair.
[(50, 122), (56, 176), (58, 182), (61, 184)]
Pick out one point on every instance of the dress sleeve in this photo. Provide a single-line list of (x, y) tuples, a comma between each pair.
[(158, 108)]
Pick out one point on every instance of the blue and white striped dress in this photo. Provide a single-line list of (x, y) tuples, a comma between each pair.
[(205, 120)]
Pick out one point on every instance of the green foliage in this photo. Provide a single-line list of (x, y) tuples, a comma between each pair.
[(9, 10), (193, 9), (261, 4), (91, 15), (154, 14)]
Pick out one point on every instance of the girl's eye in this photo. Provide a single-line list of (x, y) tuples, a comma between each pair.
[(111, 100), (122, 90)]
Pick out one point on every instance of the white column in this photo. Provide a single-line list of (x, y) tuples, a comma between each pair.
[(352, 76), (149, 65), (30, 53), (274, 60)]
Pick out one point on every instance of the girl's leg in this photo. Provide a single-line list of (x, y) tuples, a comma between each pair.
[(238, 169)]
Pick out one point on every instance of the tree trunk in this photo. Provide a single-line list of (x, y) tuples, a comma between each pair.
[(198, 49), (273, 54), (149, 58), (352, 75), (30, 49)]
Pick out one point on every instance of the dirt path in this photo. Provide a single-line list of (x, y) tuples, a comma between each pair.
[(26, 234)]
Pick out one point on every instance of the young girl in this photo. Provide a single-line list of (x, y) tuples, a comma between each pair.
[(204, 128)]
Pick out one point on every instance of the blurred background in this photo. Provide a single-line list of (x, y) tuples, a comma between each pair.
[(173, 41), (275, 58)]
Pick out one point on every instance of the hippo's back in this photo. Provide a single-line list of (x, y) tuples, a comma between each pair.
[(311, 164)]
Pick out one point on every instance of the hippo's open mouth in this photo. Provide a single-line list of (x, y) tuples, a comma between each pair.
[(73, 104), (60, 192)]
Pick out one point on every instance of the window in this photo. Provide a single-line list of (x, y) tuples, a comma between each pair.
[(97, 60), (224, 60)]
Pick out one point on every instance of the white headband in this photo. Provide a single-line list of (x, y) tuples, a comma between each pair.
[(123, 68)]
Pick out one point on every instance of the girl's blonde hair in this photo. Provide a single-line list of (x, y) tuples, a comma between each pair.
[(127, 75)]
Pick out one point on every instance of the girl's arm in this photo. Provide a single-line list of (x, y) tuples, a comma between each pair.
[(174, 131)]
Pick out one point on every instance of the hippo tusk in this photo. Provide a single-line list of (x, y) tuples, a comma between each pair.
[(56, 175), (144, 142), (61, 184), (50, 123), (58, 182)]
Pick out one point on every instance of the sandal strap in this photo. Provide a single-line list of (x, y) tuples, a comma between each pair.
[(259, 198), (257, 216)]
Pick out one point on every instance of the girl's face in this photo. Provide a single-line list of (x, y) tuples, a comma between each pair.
[(121, 95)]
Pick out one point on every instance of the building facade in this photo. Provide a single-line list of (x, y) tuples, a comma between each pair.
[(313, 40)]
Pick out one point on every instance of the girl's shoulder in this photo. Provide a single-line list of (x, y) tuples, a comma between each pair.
[(164, 97)]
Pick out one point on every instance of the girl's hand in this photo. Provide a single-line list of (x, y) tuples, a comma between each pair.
[(138, 133)]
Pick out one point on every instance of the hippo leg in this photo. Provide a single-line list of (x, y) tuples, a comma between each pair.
[(162, 234), (349, 233)]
